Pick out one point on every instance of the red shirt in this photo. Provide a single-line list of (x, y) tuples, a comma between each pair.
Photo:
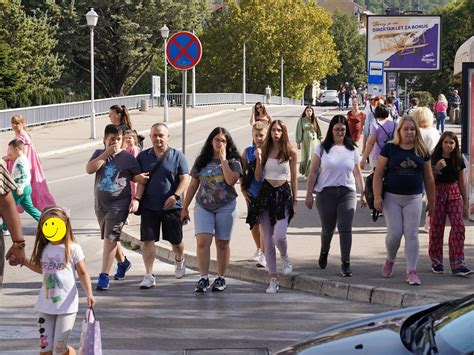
[(355, 124)]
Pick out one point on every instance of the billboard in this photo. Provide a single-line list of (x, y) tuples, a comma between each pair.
[(404, 43)]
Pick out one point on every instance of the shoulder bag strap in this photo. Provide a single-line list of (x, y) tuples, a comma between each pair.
[(386, 133), (158, 163)]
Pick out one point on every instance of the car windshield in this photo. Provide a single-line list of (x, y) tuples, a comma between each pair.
[(449, 325)]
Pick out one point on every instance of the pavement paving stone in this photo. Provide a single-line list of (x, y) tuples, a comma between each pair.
[(368, 248)]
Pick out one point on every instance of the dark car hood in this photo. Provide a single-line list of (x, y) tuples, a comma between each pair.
[(378, 334)]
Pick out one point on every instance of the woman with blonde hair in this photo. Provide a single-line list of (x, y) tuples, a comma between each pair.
[(408, 169), (430, 135), (440, 108)]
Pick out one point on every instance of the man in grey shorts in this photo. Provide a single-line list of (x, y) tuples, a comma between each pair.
[(114, 168), (160, 200)]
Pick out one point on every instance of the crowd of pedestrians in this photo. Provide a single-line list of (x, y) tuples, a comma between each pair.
[(409, 159)]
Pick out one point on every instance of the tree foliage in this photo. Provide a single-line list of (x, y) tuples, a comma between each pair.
[(28, 63), (379, 6), (127, 37), (350, 45), (296, 30)]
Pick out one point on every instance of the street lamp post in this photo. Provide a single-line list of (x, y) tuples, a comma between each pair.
[(92, 18), (165, 31), (281, 83), (244, 99)]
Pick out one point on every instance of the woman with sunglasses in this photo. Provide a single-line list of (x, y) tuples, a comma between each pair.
[(259, 114), (335, 172)]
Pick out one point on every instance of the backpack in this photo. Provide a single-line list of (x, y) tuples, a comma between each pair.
[(369, 191), (389, 135), (249, 174)]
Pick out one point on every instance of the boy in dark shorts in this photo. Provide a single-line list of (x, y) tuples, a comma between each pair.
[(114, 168)]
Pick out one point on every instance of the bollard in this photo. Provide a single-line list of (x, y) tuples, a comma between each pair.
[(144, 105)]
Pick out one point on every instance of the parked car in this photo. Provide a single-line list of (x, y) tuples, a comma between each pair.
[(444, 328), (329, 97)]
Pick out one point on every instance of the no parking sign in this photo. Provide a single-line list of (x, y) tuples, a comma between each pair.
[(183, 50)]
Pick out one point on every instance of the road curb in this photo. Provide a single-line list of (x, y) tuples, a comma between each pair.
[(247, 271)]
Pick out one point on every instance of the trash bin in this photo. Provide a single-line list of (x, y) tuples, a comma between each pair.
[(144, 105)]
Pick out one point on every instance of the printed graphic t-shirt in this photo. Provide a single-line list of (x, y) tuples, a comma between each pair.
[(405, 170), (112, 181), (213, 191), (58, 294)]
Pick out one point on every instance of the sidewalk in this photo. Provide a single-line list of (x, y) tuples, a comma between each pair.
[(368, 249), (368, 255)]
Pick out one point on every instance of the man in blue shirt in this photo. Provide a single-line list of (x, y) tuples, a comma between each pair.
[(160, 200)]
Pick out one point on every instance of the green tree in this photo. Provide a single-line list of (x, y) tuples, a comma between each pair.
[(30, 41), (296, 30), (127, 38), (9, 81), (350, 45), (379, 6)]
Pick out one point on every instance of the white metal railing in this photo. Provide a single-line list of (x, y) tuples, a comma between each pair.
[(37, 115), (226, 99)]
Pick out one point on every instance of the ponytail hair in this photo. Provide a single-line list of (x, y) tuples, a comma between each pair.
[(122, 111)]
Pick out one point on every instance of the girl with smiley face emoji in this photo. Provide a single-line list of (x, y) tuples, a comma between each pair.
[(57, 255)]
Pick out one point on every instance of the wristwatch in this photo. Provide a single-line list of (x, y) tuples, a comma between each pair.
[(177, 197)]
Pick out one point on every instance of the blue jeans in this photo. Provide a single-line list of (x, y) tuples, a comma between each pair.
[(219, 222), (440, 118)]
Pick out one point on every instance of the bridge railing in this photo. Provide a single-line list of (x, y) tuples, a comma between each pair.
[(37, 115)]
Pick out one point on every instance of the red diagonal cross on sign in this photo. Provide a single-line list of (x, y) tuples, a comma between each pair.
[(182, 50)]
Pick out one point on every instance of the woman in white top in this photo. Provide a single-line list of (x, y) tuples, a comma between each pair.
[(276, 163), (336, 160)]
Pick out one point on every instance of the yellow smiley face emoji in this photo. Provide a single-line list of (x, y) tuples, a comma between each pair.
[(54, 229)]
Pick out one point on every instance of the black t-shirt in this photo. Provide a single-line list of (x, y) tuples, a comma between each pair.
[(449, 173), (404, 174)]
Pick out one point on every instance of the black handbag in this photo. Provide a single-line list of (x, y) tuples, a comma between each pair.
[(138, 212)]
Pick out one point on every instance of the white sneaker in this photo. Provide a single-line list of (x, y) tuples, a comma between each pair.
[(286, 265), (273, 287), (148, 282), (179, 268), (6, 233), (256, 255), (262, 262)]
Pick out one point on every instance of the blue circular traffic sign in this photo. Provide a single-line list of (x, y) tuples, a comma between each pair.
[(183, 50)]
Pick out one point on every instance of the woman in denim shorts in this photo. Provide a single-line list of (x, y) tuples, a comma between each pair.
[(214, 174)]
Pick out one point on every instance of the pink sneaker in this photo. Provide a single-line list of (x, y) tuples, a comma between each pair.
[(387, 269), (412, 278)]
